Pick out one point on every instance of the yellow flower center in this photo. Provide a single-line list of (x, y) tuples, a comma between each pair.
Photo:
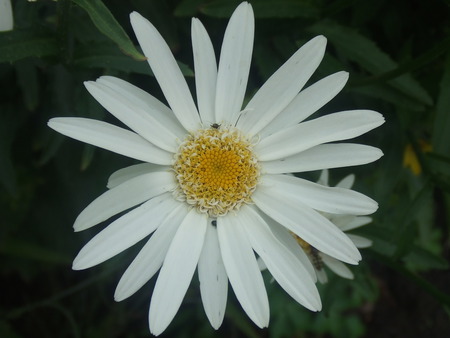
[(216, 170)]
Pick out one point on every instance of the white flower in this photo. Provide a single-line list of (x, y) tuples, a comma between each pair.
[(6, 16), (214, 190), (343, 222)]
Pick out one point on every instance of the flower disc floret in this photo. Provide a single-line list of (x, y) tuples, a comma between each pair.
[(216, 170)]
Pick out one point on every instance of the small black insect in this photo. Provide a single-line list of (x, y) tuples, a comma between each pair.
[(215, 125), (214, 223)]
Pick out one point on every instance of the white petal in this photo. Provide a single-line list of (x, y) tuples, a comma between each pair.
[(146, 102), (125, 174), (329, 128), (319, 197), (166, 71), (360, 242), (6, 16), (283, 235), (341, 221), (356, 223), (347, 182), (289, 242), (262, 266), (307, 102), (322, 276), (125, 232), (234, 64), (126, 195), (324, 156), (337, 267), (307, 224), (177, 271), (324, 176), (282, 264), (213, 279), (131, 114), (281, 88), (151, 256), (205, 71), (242, 269), (110, 137)]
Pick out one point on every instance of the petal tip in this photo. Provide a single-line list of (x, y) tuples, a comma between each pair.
[(55, 123), (77, 226), (379, 153), (76, 265), (321, 38), (89, 85), (118, 297), (244, 6), (135, 15), (156, 331)]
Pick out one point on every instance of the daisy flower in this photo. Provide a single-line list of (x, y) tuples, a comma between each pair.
[(213, 175), (343, 222)]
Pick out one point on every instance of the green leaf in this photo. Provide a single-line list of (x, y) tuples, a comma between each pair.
[(405, 232), (439, 158), (420, 259), (439, 163), (220, 8), (185, 69), (27, 79), (389, 94), (108, 25), (105, 56), (357, 48), (415, 63), (285, 9), (441, 135), (440, 167), (8, 127), (20, 44), (187, 8), (264, 8)]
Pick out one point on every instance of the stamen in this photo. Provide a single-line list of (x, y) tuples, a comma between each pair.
[(216, 169)]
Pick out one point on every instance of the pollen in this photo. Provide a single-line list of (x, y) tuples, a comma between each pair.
[(216, 170)]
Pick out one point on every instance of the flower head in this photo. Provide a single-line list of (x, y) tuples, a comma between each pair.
[(213, 189)]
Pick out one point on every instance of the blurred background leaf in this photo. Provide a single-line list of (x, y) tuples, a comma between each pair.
[(262, 8), (19, 44), (107, 24)]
